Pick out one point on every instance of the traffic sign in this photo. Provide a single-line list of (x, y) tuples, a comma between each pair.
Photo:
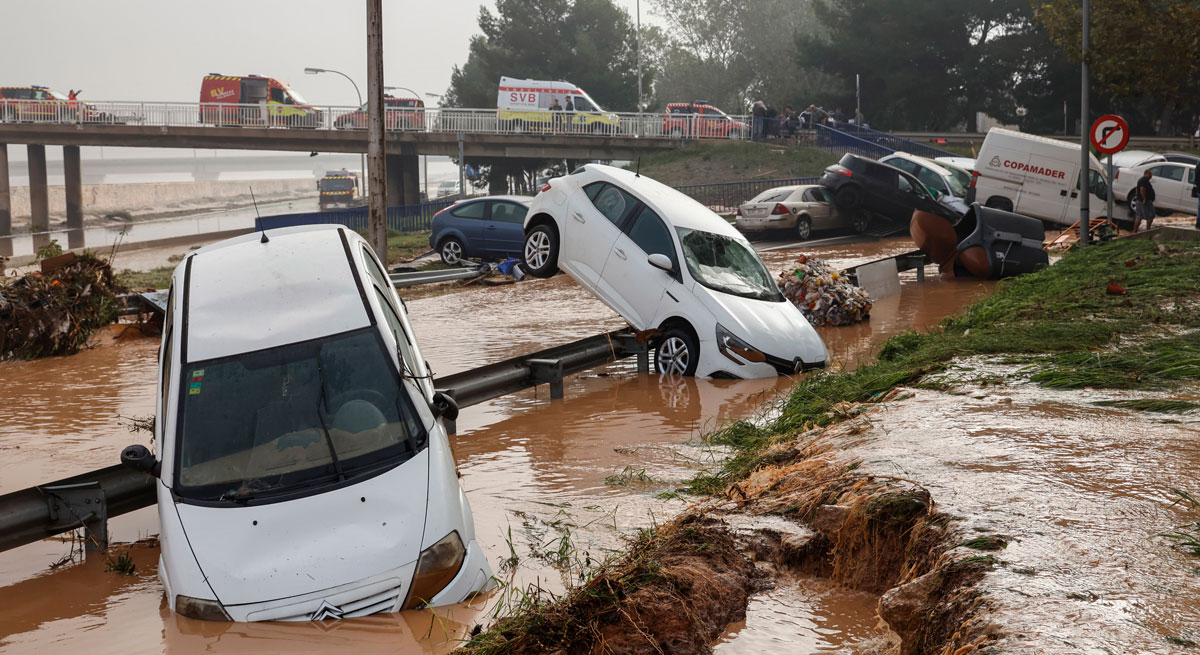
[(1110, 133)]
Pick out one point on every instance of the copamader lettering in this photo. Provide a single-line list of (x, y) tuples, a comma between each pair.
[(1048, 172)]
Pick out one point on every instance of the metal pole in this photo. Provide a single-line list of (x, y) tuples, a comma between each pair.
[(425, 164), (639, 54), (1084, 129), (357, 94), (857, 99), (1064, 117), (462, 174), (376, 153), (1110, 188)]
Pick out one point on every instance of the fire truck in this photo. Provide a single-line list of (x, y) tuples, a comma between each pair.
[(254, 100), (700, 119), (339, 190), (399, 114)]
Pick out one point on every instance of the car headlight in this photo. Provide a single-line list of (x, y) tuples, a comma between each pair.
[(727, 343), (200, 608), (436, 567)]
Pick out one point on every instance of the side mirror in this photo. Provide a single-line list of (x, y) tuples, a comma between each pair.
[(661, 261), (443, 406), (139, 458)]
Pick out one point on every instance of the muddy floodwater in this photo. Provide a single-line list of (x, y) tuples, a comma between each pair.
[(551, 483)]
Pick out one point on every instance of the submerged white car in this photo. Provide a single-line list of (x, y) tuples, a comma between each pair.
[(669, 265), (303, 471)]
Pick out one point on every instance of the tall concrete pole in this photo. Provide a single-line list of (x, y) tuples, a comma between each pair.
[(1085, 168), (73, 185), (639, 54), (39, 193), (5, 205), (376, 154)]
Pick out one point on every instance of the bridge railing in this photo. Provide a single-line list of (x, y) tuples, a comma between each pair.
[(893, 142), (332, 117), (401, 218)]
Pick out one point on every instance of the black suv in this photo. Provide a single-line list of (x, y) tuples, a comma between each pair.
[(858, 182)]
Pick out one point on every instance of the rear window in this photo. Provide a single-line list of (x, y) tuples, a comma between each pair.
[(774, 195), (469, 210)]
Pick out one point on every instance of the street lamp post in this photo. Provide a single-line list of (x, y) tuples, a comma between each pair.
[(363, 158), (425, 158)]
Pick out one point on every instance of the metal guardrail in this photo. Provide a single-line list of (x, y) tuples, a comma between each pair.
[(402, 218), (332, 117), (894, 142), (836, 141), (90, 499), (415, 278), (727, 196)]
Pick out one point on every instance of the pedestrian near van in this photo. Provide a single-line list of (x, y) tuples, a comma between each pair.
[(1196, 195), (569, 110), (556, 118), (1145, 202), (759, 113)]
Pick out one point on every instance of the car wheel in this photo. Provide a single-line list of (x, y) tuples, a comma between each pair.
[(860, 221), (803, 227), (1003, 204), (848, 197), (541, 251), (1160, 211), (1132, 194), (451, 251), (677, 353)]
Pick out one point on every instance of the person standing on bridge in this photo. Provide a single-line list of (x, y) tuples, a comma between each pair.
[(73, 103), (556, 119), (1144, 211), (569, 110)]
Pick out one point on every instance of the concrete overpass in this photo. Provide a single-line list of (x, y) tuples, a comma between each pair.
[(403, 148)]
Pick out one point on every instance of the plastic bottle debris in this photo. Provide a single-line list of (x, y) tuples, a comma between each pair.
[(50, 313), (824, 296)]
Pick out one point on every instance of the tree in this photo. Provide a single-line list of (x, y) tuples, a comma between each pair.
[(590, 43), (1139, 51)]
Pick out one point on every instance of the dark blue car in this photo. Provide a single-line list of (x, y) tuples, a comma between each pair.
[(483, 228)]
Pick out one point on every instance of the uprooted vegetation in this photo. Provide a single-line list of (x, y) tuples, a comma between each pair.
[(57, 312)]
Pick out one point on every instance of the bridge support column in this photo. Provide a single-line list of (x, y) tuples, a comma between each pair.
[(73, 182), (39, 194), (5, 205), (403, 179)]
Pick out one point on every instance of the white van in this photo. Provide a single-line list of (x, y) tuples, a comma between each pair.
[(525, 104), (303, 473), (1036, 176)]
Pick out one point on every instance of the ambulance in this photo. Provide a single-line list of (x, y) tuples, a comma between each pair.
[(254, 100), (1036, 176), (525, 105)]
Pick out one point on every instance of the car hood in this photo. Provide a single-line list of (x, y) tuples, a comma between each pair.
[(776, 328), (261, 553)]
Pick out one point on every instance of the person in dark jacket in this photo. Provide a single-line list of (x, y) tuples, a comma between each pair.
[(758, 114), (1144, 210)]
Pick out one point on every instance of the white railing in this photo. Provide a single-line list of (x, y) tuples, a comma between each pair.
[(446, 120)]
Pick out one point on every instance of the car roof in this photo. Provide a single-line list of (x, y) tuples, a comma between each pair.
[(935, 166), (673, 206), (244, 295)]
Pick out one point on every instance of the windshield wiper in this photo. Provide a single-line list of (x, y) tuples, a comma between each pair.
[(337, 464)]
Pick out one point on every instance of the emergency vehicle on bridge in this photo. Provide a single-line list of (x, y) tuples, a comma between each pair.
[(525, 105), (254, 100)]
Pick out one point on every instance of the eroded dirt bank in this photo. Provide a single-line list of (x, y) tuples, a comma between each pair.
[(1002, 482)]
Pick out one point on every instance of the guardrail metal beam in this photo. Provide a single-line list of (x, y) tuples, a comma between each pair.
[(89, 499)]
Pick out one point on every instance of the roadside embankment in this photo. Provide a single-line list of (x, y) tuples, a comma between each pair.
[(158, 199), (712, 162), (1000, 481)]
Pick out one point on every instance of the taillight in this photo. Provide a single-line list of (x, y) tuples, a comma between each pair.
[(779, 209), (545, 188), (1117, 175), (974, 178), (841, 170)]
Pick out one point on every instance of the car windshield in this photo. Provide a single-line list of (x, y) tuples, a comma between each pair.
[(962, 179), (292, 417), (337, 184), (296, 97), (727, 265), (774, 195), (56, 95)]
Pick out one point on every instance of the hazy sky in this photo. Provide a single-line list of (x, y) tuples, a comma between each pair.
[(159, 49)]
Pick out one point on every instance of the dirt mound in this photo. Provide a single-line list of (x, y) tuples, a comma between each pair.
[(673, 592), (57, 310)]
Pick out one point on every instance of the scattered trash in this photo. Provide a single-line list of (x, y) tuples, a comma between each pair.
[(55, 311), (512, 268), (824, 296)]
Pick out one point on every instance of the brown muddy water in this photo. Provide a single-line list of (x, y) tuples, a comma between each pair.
[(551, 482)]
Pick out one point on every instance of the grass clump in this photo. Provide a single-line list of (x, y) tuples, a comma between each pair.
[(711, 162), (1060, 314), (1186, 536), (990, 542), (404, 246), (1163, 406)]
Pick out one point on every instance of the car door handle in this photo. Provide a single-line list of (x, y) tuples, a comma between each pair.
[(579, 217), (491, 227), (1074, 194), (620, 253), (1063, 193)]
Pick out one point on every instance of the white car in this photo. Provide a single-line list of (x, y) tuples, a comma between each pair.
[(672, 268), (304, 472), (1130, 158), (951, 191), (802, 208), (1173, 184)]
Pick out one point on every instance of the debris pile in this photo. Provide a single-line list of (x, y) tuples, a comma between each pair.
[(824, 296), (56, 310)]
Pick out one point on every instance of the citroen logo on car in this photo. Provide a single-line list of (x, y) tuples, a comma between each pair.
[(327, 611)]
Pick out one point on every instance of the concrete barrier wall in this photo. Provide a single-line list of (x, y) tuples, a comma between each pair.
[(160, 197)]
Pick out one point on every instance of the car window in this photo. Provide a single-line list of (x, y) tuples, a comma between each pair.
[(931, 179), (820, 194), (614, 203), (651, 235), (903, 183), (880, 172), (470, 210), (398, 333), (1191, 176), (18, 94), (772, 195), (374, 271), (902, 164), (582, 104), (1173, 173), (508, 212)]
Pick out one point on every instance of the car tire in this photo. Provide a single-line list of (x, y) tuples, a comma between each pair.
[(998, 202), (1132, 194), (860, 221), (803, 228), (540, 253), (452, 251), (677, 353), (848, 197)]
